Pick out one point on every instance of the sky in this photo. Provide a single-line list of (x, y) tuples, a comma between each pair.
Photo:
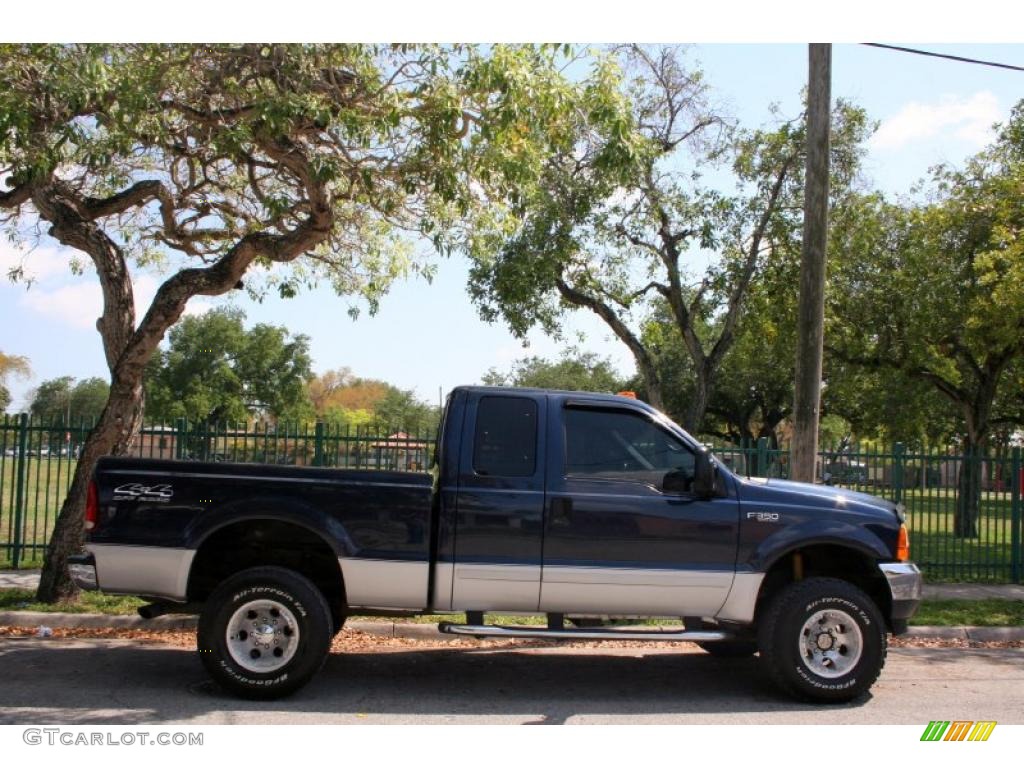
[(429, 338)]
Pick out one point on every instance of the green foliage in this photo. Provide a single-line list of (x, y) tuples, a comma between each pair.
[(928, 297), (65, 400), (338, 397), (753, 393), (400, 408), (214, 370), (575, 371), (387, 139), (618, 233)]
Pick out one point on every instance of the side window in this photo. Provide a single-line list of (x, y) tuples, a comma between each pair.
[(505, 443), (618, 445)]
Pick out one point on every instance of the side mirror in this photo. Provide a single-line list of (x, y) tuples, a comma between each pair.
[(705, 478), (676, 481)]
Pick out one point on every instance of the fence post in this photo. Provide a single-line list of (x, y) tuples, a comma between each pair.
[(897, 473), (19, 493), (762, 457), (318, 445), (1015, 516), (180, 430)]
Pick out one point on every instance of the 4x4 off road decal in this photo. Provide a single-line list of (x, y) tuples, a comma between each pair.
[(139, 492), (958, 730)]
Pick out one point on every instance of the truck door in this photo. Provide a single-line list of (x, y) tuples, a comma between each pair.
[(500, 504), (614, 541)]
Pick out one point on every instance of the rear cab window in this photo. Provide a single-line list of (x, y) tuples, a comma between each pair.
[(505, 438)]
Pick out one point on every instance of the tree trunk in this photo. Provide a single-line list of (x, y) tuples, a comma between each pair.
[(112, 435), (693, 419), (968, 497)]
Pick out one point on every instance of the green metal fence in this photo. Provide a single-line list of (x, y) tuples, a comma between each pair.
[(927, 484), (37, 461)]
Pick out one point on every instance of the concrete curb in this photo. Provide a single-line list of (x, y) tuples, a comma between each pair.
[(403, 629), (95, 621)]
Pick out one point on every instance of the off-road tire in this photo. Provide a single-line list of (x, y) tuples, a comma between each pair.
[(823, 607), (274, 594)]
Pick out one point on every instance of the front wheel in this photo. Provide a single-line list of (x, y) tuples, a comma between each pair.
[(823, 640), (264, 632)]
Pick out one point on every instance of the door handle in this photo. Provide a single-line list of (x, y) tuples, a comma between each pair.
[(561, 508)]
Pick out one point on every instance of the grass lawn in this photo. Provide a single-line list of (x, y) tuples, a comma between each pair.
[(88, 602), (46, 484), (976, 613)]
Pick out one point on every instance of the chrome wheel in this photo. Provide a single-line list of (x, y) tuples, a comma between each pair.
[(830, 643), (262, 636)]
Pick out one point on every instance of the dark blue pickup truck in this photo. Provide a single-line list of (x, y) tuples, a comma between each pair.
[(586, 508)]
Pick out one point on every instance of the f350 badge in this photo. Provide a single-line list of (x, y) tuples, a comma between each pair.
[(139, 492), (763, 517)]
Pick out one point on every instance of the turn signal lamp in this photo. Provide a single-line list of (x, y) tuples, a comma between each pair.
[(903, 545)]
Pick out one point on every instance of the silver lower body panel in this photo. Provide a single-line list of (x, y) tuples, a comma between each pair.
[(638, 592), (151, 571), (397, 584)]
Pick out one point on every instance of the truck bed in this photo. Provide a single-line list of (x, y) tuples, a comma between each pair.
[(379, 522)]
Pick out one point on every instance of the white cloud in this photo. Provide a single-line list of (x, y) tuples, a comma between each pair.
[(76, 301), (41, 263), (968, 118), (196, 307), (77, 305)]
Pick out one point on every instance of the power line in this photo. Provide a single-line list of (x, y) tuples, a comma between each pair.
[(946, 56)]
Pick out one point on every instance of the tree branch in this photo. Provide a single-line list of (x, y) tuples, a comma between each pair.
[(20, 194), (644, 361), (739, 290)]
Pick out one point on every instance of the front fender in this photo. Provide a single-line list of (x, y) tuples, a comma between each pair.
[(812, 532)]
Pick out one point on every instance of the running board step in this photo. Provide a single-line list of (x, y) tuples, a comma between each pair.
[(621, 633)]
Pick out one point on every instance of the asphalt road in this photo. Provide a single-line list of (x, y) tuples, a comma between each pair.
[(121, 682)]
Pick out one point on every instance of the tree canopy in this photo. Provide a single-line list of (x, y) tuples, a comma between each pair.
[(339, 397), (302, 163), (574, 371), (931, 292), (68, 401), (618, 236), (215, 370)]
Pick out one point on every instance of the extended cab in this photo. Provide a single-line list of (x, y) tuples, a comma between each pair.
[(584, 507)]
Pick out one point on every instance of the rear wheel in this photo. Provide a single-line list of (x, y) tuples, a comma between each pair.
[(264, 632), (823, 640)]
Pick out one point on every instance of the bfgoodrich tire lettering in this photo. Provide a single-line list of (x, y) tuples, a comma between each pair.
[(276, 615), (822, 640)]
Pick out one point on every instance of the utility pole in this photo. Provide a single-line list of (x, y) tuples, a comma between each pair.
[(811, 312)]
